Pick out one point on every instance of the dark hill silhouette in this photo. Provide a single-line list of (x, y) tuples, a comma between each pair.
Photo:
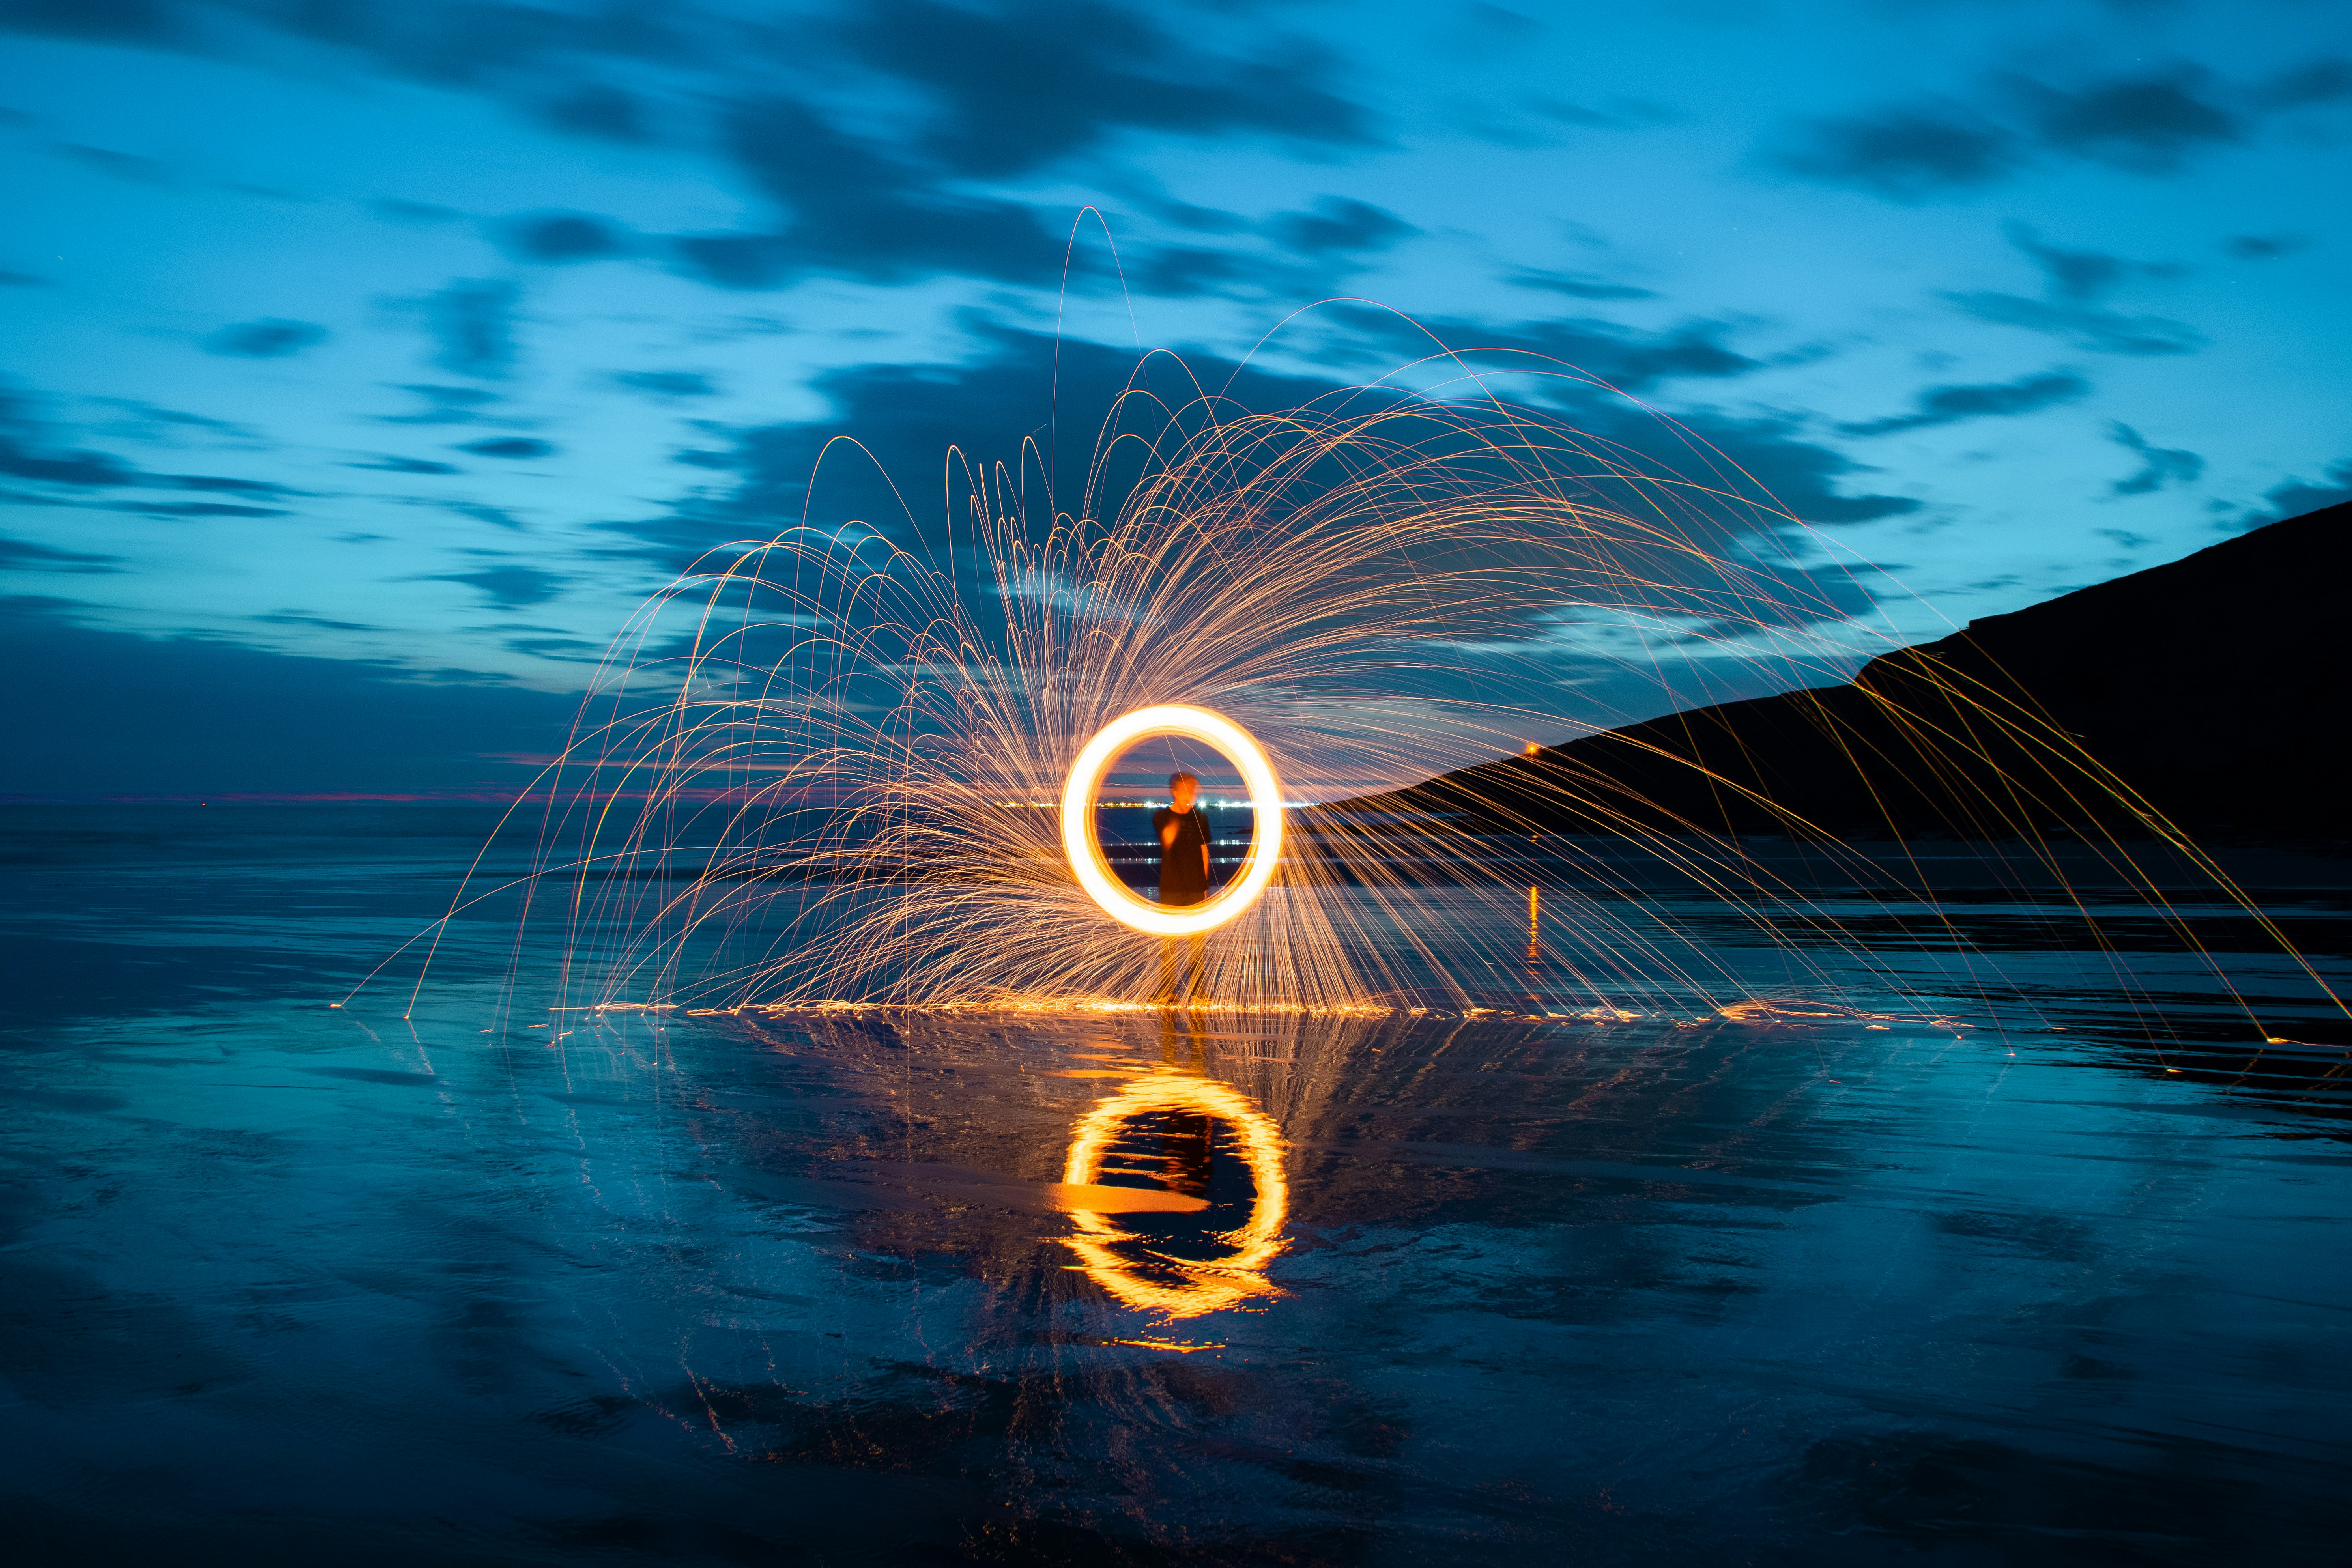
[(2216, 689)]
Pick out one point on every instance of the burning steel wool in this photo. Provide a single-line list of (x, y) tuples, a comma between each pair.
[(864, 763)]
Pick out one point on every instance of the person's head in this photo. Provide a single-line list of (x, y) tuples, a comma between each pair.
[(1182, 789)]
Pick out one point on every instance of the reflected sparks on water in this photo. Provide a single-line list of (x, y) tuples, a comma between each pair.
[(1124, 1262)]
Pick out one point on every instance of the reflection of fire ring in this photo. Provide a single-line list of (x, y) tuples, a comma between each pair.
[(1083, 847), (1207, 1286)]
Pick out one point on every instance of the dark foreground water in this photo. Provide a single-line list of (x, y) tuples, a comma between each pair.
[(280, 1283)]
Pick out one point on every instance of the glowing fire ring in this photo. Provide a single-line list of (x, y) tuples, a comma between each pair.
[(1206, 1286), (1080, 841)]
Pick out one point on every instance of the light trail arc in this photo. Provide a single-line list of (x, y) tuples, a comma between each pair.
[(1082, 844)]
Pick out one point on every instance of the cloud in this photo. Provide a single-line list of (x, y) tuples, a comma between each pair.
[(28, 452), (1577, 284), (2158, 465), (1511, 23), (574, 651), (395, 465), (943, 92), (1026, 82), (1014, 89), (472, 322), (23, 555), (2322, 81), (217, 482), (187, 508), (665, 383), (1337, 226), (86, 470), (1326, 243), (908, 417), (598, 108), (2298, 496), (403, 210), (859, 213), (2082, 274), (1627, 359), (97, 712), (1190, 271), (482, 511), (126, 166), (492, 44), (1568, 113), (563, 238), (13, 279), (1950, 405), (2148, 125), (442, 404), (2101, 331), (1505, 122), (1150, 199), (304, 618), (1002, 406), (1804, 476), (2263, 248), (2148, 122), (2073, 283), (508, 587), (143, 419), (1907, 153), (268, 338), (113, 21), (513, 447)]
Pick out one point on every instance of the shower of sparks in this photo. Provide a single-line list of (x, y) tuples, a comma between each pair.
[(820, 770)]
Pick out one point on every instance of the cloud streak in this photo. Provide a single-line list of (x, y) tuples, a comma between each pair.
[(471, 322), (510, 588), (2074, 284), (2151, 122), (1017, 85), (270, 338), (1949, 405), (2159, 466)]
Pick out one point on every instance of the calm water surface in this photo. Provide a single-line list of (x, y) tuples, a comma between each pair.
[(283, 1283)]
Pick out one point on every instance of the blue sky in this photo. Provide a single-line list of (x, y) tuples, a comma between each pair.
[(373, 360)]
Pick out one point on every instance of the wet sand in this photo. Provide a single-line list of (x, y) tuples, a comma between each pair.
[(2061, 1281)]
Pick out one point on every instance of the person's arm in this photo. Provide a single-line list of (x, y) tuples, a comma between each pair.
[(1169, 829), (1207, 873)]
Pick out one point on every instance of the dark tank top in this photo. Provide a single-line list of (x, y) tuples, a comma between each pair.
[(1182, 881)]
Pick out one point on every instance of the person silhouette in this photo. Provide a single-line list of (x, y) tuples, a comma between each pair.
[(1183, 881)]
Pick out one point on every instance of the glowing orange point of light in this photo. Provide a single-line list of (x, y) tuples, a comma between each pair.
[(1080, 843)]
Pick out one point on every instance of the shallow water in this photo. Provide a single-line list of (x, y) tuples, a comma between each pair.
[(2067, 1281)]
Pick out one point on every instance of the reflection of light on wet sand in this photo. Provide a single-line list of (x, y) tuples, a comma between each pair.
[(1762, 1011), (1121, 1200), (1204, 1286)]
